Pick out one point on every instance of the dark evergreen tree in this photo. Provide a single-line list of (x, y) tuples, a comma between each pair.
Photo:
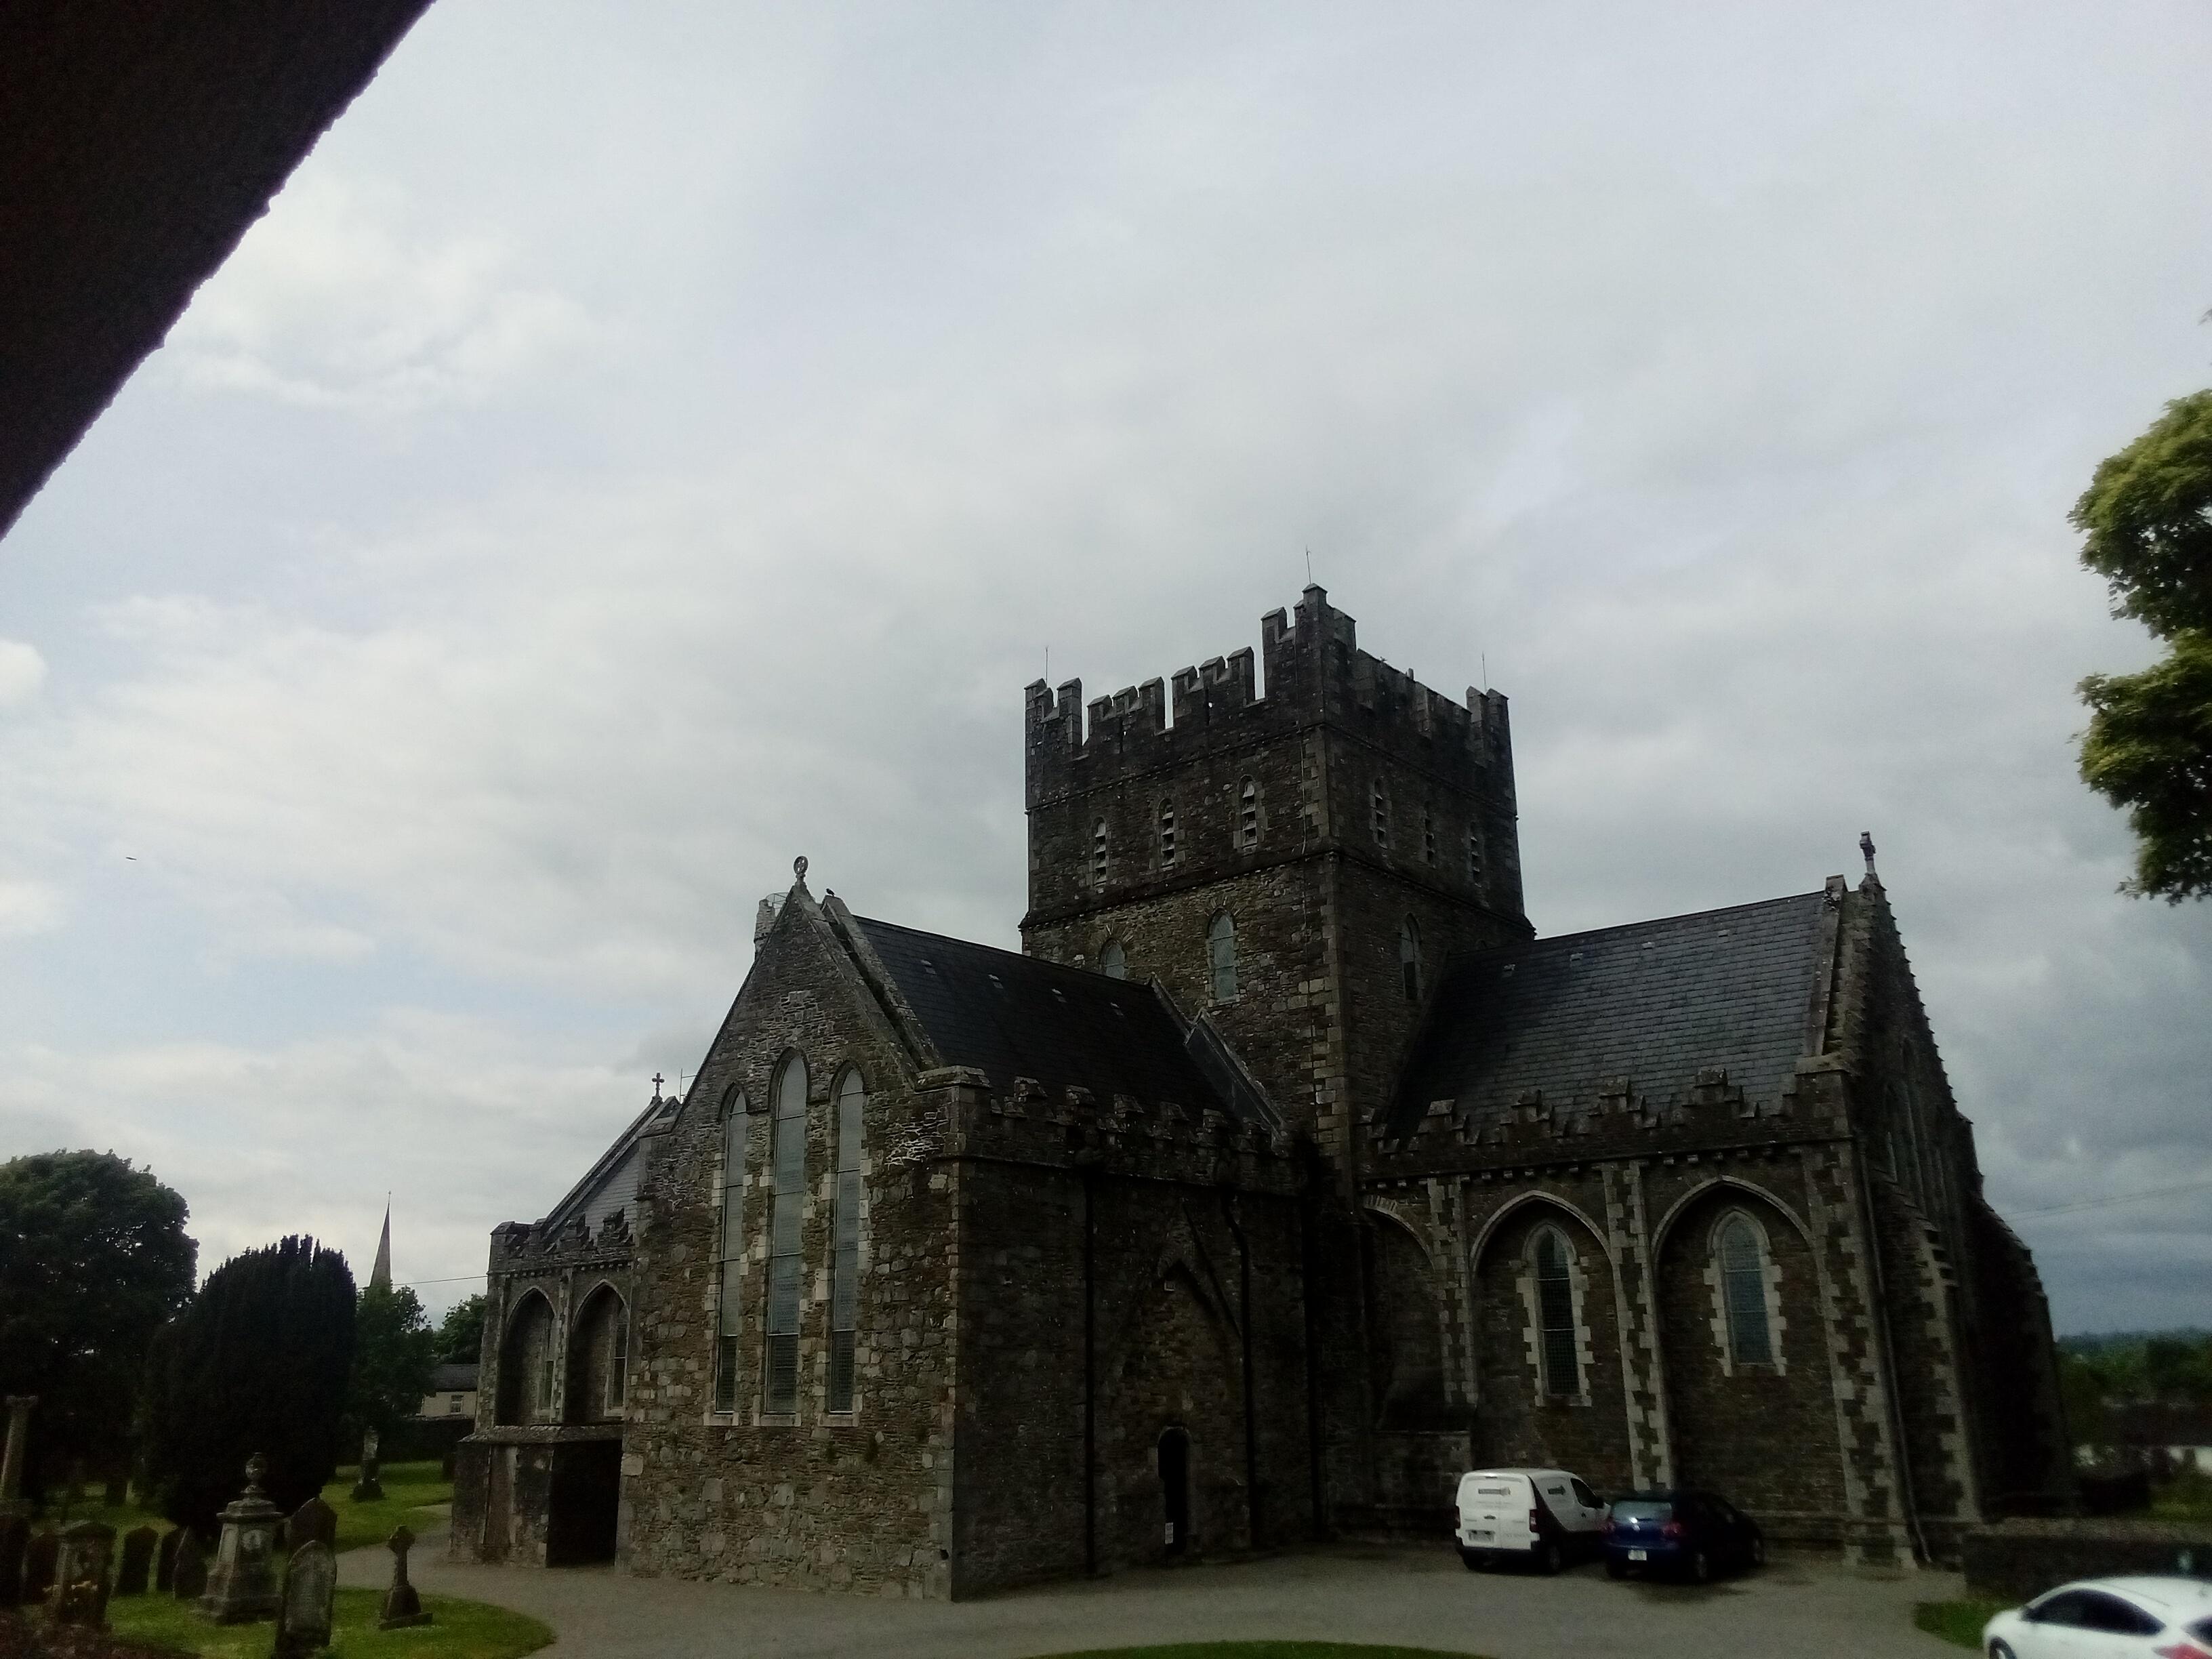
[(460, 1337), (93, 1258), (259, 1362)]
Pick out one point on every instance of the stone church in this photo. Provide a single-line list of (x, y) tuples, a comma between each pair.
[(1283, 1175)]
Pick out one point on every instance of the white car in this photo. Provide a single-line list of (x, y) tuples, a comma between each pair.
[(2093, 1618), (1542, 1516)]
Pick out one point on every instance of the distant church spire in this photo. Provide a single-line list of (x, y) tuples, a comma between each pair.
[(380, 1276)]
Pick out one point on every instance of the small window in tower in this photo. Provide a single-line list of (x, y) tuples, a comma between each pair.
[(1474, 854), (1248, 815), (1098, 852), (1113, 960), (1381, 807), (1409, 958), (1428, 835), (1221, 958), (1167, 835)]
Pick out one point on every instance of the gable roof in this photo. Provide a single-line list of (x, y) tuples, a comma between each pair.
[(610, 1184), (1652, 1001), (1010, 1016)]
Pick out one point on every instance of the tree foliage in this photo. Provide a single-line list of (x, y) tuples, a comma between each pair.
[(2148, 518), (460, 1338), (394, 1351), (94, 1257), (259, 1362)]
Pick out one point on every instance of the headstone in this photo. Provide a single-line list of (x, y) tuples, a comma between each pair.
[(12, 1456), (38, 1565), (369, 1489), (313, 1523), (303, 1616), (165, 1560), (242, 1585), (402, 1606), (136, 1561), (15, 1538), (188, 1579), (80, 1574)]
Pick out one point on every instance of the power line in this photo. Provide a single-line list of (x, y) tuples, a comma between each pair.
[(2120, 1198)]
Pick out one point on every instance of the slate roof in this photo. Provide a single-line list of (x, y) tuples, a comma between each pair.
[(453, 1378), (1012, 1015), (1653, 1001)]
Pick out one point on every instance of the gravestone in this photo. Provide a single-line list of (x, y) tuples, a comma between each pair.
[(188, 1574), (15, 1538), (369, 1489), (402, 1606), (80, 1574), (313, 1523), (38, 1565), (303, 1614), (136, 1563), (13, 1452), (165, 1560), (242, 1585)]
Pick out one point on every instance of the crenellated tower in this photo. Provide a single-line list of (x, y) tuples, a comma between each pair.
[(1296, 864)]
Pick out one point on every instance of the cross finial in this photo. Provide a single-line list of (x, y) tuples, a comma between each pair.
[(1866, 851), (657, 1081)]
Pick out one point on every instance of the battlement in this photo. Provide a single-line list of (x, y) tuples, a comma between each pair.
[(1314, 672)]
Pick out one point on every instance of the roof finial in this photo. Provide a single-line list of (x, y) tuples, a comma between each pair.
[(657, 1081), (798, 867), (1866, 851)]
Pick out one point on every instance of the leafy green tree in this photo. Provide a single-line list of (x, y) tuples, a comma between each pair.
[(460, 1338), (258, 1361), (94, 1257), (394, 1351), (2148, 517)]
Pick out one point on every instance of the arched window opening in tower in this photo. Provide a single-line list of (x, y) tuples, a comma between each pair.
[(1248, 815), (786, 1266), (1409, 958), (1743, 1282), (1113, 960), (1167, 835), (1555, 1302), (730, 1314), (1475, 855), (1098, 852), (1381, 808), (844, 1233), (1428, 835), (1221, 958)]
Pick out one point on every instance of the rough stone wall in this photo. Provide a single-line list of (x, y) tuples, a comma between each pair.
[(858, 1500)]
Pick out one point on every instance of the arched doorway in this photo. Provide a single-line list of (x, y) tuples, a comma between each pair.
[(1174, 1489)]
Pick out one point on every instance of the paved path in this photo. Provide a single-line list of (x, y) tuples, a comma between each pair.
[(1416, 1594)]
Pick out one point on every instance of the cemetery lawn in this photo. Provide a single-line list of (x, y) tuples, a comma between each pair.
[(1261, 1651), (458, 1630), (410, 1489), (1959, 1623)]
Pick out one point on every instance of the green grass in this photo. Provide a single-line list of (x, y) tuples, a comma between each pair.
[(1959, 1623), (458, 1630), (1261, 1650), (410, 1489)]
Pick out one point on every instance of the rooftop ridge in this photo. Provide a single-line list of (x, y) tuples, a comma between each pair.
[(1521, 948), (1088, 977)]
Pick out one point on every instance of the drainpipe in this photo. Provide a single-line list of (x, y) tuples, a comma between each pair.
[(1229, 1201), (1089, 1371)]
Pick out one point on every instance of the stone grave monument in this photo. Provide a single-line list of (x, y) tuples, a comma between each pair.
[(310, 1594), (402, 1606), (38, 1565), (88, 1548), (188, 1575), (241, 1586), (313, 1523), (15, 1538), (165, 1560), (136, 1563), (369, 1489), (13, 1453)]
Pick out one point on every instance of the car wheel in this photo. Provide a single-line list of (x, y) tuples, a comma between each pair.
[(1701, 1567), (1548, 1558), (1471, 1560), (2001, 1649), (1616, 1569)]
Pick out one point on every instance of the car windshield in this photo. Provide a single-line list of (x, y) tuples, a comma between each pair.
[(1631, 1508)]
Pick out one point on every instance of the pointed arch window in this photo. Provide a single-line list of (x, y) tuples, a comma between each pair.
[(1098, 852), (1248, 815), (1409, 958), (786, 1265), (1379, 810), (1113, 960), (1555, 1313), (1743, 1292), (845, 1241), (1221, 958), (1428, 835), (1167, 835), (729, 1270)]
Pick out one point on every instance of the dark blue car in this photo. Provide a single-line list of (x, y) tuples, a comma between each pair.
[(1690, 1534)]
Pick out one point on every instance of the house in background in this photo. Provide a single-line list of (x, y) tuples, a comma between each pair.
[(452, 1394)]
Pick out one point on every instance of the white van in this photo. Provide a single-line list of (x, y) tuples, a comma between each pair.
[(1542, 1516)]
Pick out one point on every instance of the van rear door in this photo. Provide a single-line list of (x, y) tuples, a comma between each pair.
[(1493, 1511)]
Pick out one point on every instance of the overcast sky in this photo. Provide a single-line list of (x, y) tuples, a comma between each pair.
[(644, 443)]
